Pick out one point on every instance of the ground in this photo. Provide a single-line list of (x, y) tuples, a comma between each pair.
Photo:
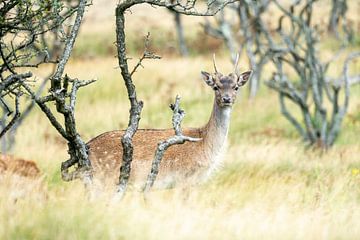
[(270, 187)]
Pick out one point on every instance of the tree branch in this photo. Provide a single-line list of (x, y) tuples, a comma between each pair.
[(146, 55), (339, 112), (135, 105), (13, 120), (56, 79), (179, 138), (47, 111)]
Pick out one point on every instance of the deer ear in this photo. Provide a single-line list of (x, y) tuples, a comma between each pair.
[(244, 77), (207, 78)]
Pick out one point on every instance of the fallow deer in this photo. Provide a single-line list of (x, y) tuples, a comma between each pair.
[(193, 161), (12, 165)]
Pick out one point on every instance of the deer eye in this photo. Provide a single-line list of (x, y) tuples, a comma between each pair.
[(215, 88), (236, 88)]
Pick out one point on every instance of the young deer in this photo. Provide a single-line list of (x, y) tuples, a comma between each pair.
[(191, 161)]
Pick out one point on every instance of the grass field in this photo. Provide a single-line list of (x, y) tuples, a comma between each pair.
[(270, 187)]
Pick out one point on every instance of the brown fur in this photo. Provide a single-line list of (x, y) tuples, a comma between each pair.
[(18, 166), (105, 153)]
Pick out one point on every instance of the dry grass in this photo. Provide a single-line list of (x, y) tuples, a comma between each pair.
[(270, 187), (261, 193)]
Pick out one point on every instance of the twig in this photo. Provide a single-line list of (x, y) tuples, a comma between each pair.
[(188, 7), (5, 107), (146, 55), (47, 111), (12, 79), (179, 138), (13, 120), (56, 79)]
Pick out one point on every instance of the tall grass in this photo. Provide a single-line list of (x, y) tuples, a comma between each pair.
[(261, 193), (270, 186)]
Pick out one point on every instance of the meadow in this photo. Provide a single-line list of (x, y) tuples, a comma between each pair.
[(270, 187)]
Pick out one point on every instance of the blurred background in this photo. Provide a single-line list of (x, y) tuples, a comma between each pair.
[(275, 183)]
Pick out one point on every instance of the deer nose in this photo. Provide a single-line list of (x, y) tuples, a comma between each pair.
[(226, 99)]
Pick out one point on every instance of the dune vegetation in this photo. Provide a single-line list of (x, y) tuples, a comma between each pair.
[(271, 186)]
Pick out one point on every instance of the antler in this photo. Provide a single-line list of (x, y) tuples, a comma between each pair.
[(236, 63), (214, 61)]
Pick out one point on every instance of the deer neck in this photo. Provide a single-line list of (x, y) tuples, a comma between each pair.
[(216, 130)]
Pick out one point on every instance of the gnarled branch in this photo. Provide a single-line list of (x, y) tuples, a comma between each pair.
[(178, 138)]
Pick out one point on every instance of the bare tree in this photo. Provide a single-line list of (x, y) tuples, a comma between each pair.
[(183, 49), (247, 35), (24, 43), (252, 27), (338, 15), (311, 89), (59, 93), (223, 30), (31, 35)]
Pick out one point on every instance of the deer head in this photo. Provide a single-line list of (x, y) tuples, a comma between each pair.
[(225, 86)]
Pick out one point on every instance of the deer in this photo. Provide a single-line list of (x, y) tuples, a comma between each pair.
[(17, 166), (189, 162)]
